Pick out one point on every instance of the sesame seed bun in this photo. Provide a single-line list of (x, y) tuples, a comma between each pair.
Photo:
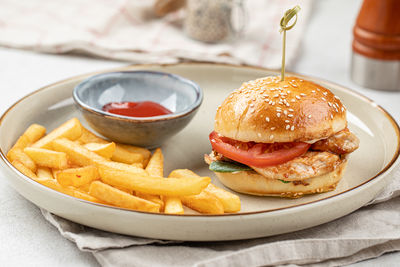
[(268, 110), (250, 182)]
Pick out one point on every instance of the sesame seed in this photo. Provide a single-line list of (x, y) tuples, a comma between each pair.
[(287, 121), (287, 127), (278, 114), (292, 128), (287, 104), (324, 93), (267, 119), (293, 100), (285, 86), (290, 109), (285, 112), (309, 116), (251, 105), (273, 128), (331, 116), (342, 108), (302, 94), (337, 97), (259, 134), (330, 104), (323, 98), (313, 91), (276, 95), (300, 80), (289, 91), (298, 97), (271, 137), (290, 115)]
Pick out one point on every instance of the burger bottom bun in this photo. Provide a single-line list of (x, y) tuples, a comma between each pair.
[(250, 182)]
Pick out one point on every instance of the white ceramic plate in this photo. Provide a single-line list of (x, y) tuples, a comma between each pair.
[(367, 173)]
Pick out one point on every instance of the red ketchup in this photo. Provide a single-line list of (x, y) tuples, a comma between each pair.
[(136, 109)]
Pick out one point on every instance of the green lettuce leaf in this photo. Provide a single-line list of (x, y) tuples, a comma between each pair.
[(225, 166)]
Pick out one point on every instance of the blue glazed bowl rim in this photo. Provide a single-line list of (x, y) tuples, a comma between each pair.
[(193, 106)]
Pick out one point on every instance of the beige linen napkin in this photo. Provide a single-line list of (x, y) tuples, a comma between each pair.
[(127, 30), (366, 233)]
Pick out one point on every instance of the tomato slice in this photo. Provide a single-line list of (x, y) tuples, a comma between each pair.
[(257, 154)]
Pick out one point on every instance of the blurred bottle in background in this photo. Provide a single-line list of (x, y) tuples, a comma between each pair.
[(376, 45)]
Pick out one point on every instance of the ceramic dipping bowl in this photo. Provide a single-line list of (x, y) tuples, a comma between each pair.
[(181, 96)]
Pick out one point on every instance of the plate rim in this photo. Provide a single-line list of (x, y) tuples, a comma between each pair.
[(384, 170)]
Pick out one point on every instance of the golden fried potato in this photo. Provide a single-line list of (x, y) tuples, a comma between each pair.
[(230, 201), (47, 158), (120, 198), (22, 168), (71, 130), (105, 150), (19, 155), (78, 176), (44, 173), (153, 185)]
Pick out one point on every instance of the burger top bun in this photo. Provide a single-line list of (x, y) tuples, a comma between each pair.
[(269, 110)]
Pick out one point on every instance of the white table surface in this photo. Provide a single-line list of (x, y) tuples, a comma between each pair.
[(28, 240)]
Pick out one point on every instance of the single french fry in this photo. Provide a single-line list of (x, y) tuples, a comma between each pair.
[(22, 142), (155, 167), (77, 154), (19, 155), (22, 168), (89, 137), (153, 185), (47, 158), (173, 205), (121, 199), (77, 177), (230, 201), (71, 130), (34, 132), (204, 202), (124, 156), (44, 173), (136, 149), (105, 150)]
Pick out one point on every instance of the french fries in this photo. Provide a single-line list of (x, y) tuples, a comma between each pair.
[(77, 177), (120, 198), (155, 169), (74, 161), (153, 185), (105, 150), (124, 156), (71, 129), (77, 154), (17, 154), (203, 202), (22, 168), (230, 201), (44, 173), (47, 158)]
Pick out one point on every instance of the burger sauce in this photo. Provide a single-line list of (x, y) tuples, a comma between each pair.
[(136, 109)]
